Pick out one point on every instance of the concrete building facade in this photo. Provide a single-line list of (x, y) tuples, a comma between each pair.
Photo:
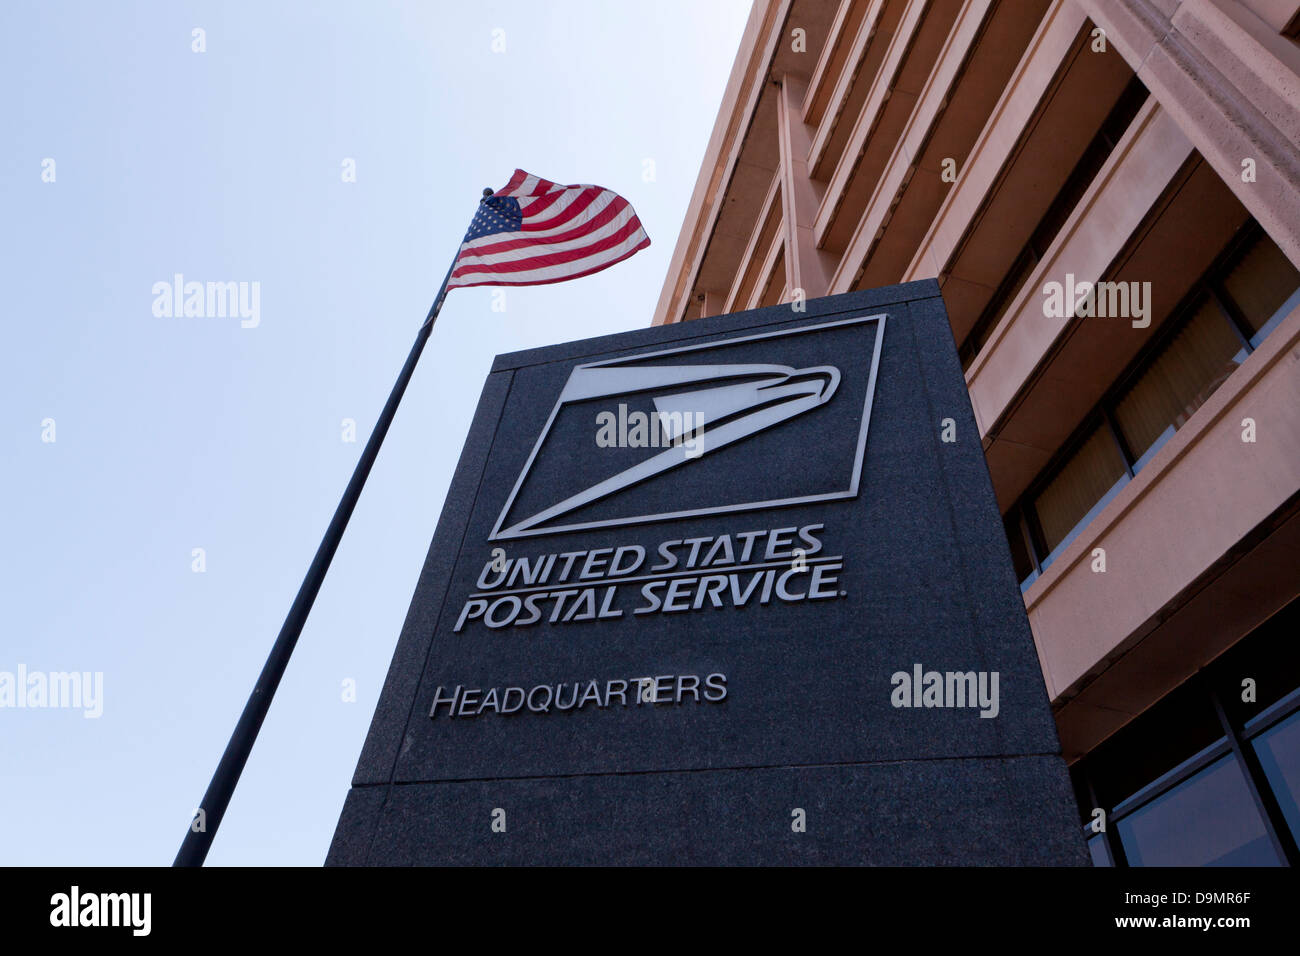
[(1108, 192)]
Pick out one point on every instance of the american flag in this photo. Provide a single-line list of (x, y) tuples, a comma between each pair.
[(532, 232)]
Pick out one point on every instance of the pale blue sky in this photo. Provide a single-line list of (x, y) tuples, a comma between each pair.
[(182, 433)]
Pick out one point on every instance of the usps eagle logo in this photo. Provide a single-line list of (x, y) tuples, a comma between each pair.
[(701, 430)]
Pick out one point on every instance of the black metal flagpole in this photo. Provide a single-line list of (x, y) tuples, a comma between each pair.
[(203, 827)]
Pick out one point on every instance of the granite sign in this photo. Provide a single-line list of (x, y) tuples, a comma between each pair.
[(675, 609)]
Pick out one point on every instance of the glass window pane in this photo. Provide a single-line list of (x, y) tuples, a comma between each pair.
[(1279, 754), (1179, 379), (1264, 285), (1208, 820), (1099, 852), (1080, 489)]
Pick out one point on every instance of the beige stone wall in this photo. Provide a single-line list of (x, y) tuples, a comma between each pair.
[(925, 138)]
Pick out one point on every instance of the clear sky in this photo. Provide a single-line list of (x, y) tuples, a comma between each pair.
[(173, 434)]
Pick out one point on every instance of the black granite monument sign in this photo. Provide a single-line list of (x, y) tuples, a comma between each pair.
[(729, 591)]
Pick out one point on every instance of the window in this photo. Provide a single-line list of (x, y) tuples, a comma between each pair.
[(1087, 480), (1180, 377), (1264, 287), (1209, 819), (1279, 755), (1076, 184), (1243, 297), (1209, 776), (1099, 852)]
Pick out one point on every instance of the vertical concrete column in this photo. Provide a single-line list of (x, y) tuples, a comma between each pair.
[(806, 266), (712, 303), (1231, 85)]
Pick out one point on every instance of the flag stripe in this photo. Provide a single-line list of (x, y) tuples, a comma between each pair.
[(516, 181), (621, 224), (547, 276), (551, 272), (512, 262), (541, 203), (567, 208)]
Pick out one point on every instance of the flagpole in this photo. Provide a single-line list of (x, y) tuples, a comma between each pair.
[(197, 842)]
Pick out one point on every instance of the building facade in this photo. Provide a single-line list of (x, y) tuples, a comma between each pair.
[(1108, 192)]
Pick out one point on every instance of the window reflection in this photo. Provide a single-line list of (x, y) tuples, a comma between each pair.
[(1242, 298), (1181, 377), (1099, 852), (1208, 820), (1084, 485), (1279, 755), (1264, 286)]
